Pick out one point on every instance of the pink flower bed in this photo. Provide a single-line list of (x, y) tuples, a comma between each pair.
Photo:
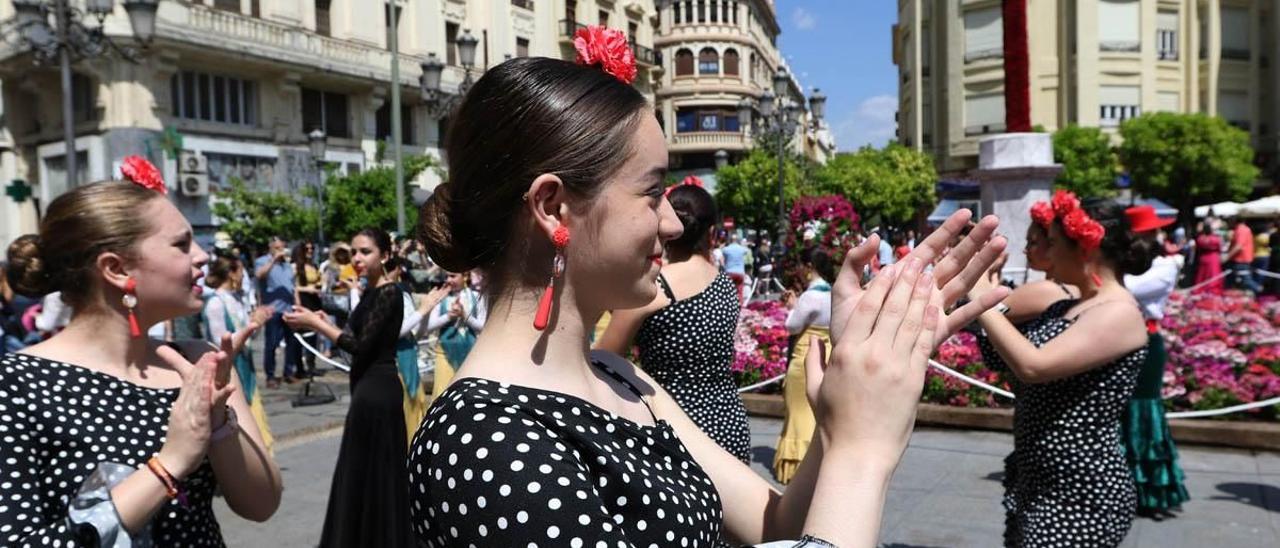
[(760, 345)]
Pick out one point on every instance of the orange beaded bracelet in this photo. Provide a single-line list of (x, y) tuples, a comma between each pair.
[(171, 486)]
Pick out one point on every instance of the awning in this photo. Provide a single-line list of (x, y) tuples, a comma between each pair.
[(1220, 209), (942, 212), (1266, 207)]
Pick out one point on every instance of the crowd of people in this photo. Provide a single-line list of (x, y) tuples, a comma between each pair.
[(538, 429)]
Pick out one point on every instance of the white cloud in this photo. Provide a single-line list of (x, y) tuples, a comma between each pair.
[(871, 123), (802, 19)]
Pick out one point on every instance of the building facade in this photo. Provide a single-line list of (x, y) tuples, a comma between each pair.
[(1092, 63), (235, 86), (717, 53)]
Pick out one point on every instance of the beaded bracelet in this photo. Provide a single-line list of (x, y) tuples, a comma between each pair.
[(810, 541), (172, 487)]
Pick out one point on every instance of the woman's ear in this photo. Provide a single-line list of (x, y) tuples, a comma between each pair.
[(112, 268), (546, 202)]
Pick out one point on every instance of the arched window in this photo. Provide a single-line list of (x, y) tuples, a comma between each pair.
[(684, 63), (730, 62), (708, 61)]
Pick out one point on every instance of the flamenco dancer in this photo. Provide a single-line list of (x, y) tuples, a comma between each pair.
[(112, 438), (537, 439), (1148, 445), (1067, 482)]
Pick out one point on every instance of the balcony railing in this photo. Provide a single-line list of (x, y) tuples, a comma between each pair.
[(645, 55), (710, 139)]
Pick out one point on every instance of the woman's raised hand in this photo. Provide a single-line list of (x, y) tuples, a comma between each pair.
[(191, 419), (865, 397)]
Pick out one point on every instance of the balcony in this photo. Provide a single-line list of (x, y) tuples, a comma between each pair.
[(708, 141), (646, 56), (208, 28), (568, 28)]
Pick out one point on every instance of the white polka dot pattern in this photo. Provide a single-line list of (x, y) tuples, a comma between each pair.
[(502, 465), (687, 347), (58, 421), (1067, 483)]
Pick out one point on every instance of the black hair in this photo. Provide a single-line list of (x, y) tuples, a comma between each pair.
[(525, 117), (1127, 252), (820, 261), (698, 213), (380, 238)]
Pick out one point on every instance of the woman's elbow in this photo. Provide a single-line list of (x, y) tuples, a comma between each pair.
[(258, 508)]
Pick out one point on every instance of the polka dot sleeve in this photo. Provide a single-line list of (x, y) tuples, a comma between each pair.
[(500, 477)]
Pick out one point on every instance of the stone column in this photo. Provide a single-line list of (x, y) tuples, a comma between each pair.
[(1015, 170)]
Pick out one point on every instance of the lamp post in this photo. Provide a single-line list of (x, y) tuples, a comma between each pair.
[(440, 102), (318, 142), (55, 32), (722, 159)]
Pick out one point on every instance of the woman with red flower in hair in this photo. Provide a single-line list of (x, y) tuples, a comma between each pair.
[(556, 193), (1076, 364)]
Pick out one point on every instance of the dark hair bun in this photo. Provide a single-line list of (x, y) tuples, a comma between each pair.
[(25, 270), (697, 212), (1130, 253), (441, 235)]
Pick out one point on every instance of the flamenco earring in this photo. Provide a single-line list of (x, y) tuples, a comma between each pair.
[(130, 301), (561, 240), (1093, 276)]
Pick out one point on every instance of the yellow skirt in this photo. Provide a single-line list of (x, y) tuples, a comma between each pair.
[(443, 374), (415, 409), (798, 426), (260, 416)]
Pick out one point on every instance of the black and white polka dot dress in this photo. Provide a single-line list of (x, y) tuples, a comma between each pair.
[(687, 347), (58, 423), (502, 465), (1067, 483)]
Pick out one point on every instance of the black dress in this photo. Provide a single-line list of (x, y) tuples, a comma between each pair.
[(1067, 482), (687, 347), (62, 427), (368, 502), (496, 464)]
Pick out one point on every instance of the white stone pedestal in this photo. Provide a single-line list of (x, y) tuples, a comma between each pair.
[(1015, 170)]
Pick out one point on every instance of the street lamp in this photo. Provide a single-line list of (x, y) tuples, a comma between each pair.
[(71, 35), (722, 159), (318, 142), (440, 102), (817, 105), (777, 121)]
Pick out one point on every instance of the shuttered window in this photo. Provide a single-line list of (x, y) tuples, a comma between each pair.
[(983, 35), (984, 114)]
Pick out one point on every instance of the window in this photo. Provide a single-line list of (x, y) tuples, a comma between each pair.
[(526, 4), (227, 5), (571, 10), (730, 62), (1233, 106), (684, 63), (1117, 104), (984, 114), (675, 12), (522, 47), (322, 17), (1169, 101), (707, 119), (451, 43), (392, 23), (633, 29), (702, 11), (1235, 33), (715, 11), (253, 171), (733, 12), (325, 110), (983, 35), (1118, 25), (83, 104), (442, 128), (708, 62), (222, 99), (382, 123), (255, 9), (604, 18), (1167, 36)]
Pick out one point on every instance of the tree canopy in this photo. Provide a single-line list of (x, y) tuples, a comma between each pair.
[(889, 185), (748, 190), (1187, 159), (1088, 161)]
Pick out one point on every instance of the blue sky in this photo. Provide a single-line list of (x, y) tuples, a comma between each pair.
[(845, 47)]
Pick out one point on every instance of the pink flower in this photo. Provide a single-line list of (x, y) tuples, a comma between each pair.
[(143, 173), (607, 48)]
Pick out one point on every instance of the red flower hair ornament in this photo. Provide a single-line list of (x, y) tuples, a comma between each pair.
[(1064, 202), (607, 48), (143, 173), (1042, 214), (691, 180)]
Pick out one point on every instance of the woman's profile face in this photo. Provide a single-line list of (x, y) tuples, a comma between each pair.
[(1037, 249), (168, 268), (614, 263), (1065, 259)]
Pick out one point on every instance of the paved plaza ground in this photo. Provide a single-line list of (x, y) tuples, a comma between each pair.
[(946, 492)]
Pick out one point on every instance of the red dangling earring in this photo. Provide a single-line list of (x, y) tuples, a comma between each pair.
[(561, 240), (130, 300), (1097, 280)]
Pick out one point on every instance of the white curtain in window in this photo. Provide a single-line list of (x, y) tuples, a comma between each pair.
[(1233, 106), (1119, 95), (1235, 29), (983, 34), (1118, 25), (1169, 101), (984, 110)]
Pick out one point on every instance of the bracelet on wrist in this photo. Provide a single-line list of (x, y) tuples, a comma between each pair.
[(172, 487)]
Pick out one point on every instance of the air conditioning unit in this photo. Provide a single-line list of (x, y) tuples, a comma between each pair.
[(192, 162), (194, 184)]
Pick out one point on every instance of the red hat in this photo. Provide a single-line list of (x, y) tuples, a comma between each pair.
[(1143, 219)]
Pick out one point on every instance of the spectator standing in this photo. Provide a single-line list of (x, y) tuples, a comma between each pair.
[(1240, 256), (275, 277)]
